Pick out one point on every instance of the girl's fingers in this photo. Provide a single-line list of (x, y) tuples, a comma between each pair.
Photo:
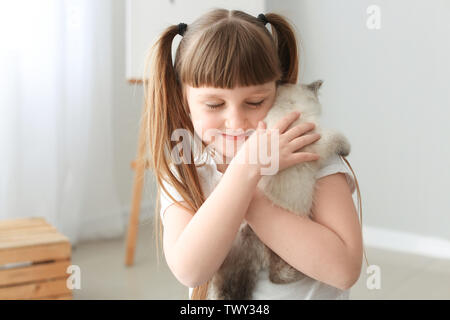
[(300, 142), (299, 130), (305, 156)]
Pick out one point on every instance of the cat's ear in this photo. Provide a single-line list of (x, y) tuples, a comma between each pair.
[(315, 86)]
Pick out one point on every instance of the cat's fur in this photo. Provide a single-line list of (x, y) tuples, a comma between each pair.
[(292, 189)]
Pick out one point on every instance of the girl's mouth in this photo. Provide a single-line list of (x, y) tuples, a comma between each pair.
[(228, 137)]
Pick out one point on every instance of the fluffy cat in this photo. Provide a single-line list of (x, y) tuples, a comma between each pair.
[(291, 189)]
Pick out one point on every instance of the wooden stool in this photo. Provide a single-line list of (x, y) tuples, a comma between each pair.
[(34, 258), (139, 166)]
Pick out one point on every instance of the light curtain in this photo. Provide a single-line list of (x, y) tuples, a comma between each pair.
[(56, 157)]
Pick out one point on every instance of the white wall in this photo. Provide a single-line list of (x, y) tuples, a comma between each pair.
[(128, 102), (388, 91)]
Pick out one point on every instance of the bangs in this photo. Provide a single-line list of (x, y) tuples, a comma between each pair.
[(231, 54)]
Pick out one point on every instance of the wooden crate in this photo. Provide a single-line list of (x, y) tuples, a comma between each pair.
[(34, 258)]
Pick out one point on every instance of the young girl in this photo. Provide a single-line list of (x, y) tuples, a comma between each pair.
[(226, 72)]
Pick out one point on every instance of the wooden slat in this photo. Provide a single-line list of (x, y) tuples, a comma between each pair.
[(50, 251), (35, 272), (32, 240), (20, 239), (35, 290), (22, 223), (8, 235)]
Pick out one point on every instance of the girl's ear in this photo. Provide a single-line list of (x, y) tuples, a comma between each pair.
[(315, 86)]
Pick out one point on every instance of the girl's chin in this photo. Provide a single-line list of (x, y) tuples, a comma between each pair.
[(226, 155)]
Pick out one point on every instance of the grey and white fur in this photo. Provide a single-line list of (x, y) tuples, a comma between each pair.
[(292, 189)]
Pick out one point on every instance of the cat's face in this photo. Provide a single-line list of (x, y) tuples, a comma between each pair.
[(299, 97)]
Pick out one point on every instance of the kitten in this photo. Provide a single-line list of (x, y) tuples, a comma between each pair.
[(292, 189)]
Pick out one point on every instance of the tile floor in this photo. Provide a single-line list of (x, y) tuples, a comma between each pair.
[(105, 276)]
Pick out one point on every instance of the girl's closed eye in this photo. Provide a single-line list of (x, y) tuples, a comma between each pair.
[(214, 106), (256, 103)]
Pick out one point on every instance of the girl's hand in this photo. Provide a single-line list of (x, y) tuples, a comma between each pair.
[(285, 153)]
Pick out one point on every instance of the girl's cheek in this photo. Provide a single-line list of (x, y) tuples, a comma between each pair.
[(211, 135), (204, 130)]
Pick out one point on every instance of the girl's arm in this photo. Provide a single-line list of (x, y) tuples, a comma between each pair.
[(205, 240), (326, 247)]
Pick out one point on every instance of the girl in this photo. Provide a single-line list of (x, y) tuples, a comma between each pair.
[(226, 72)]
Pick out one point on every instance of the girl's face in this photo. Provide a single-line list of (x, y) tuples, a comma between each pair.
[(221, 117)]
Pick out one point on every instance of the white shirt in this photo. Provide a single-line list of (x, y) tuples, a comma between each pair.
[(304, 289)]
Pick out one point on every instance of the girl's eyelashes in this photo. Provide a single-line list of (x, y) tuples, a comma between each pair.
[(214, 106), (256, 103)]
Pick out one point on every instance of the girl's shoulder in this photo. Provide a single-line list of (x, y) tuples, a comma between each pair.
[(335, 164)]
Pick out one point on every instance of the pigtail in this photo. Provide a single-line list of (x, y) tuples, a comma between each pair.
[(164, 99), (284, 38), (359, 204), (165, 110)]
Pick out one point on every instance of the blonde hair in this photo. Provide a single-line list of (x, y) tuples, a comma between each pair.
[(224, 49)]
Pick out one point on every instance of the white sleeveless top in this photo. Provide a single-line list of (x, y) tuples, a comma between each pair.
[(304, 289)]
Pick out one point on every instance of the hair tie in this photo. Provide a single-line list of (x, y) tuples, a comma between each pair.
[(182, 28), (263, 18)]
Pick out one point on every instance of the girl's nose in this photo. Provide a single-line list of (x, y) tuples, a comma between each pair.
[(236, 119)]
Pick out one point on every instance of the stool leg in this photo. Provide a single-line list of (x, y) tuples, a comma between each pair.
[(137, 195), (134, 216)]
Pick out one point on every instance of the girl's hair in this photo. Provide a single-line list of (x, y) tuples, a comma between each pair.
[(222, 49)]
